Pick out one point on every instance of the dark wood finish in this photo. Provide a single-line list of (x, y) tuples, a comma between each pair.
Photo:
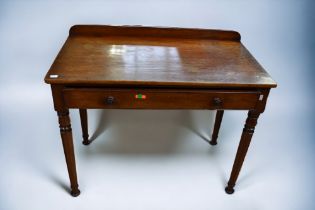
[(134, 67), (141, 31), (159, 99), (156, 59), (66, 136), (84, 126), (216, 128), (246, 137)]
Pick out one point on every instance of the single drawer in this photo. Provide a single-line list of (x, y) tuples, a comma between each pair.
[(158, 99)]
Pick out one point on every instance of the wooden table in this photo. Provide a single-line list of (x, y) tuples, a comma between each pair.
[(134, 67)]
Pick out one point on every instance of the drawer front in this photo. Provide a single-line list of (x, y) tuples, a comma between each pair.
[(158, 99)]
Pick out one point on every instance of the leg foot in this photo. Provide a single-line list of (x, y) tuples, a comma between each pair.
[(217, 124), (213, 143), (229, 190), (75, 192), (84, 125), (86, 142)]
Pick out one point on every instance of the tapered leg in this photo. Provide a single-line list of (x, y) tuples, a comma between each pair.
[(67, 142), (84, 125), (216, 128), (246, 137)]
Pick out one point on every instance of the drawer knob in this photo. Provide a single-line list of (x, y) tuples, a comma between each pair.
[(110, 100), (217, 101)]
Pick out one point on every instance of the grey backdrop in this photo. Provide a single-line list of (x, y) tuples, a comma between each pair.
[(157, 159)]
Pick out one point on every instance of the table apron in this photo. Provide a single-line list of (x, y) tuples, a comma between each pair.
[(103, 98)]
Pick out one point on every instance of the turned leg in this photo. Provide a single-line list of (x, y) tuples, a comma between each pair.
[(66, 136), (216, 128), (84, 125), (246, 137)]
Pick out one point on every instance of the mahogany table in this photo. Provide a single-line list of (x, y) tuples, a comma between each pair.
[(134, 67)]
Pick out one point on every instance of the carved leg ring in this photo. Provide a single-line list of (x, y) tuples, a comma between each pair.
[(246, 137), (216, 128), (67, 142), (84, 125)]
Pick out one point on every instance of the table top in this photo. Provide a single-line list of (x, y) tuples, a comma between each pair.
[(150, 56)]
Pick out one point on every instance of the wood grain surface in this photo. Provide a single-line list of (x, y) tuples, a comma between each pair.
[(144, 56)]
